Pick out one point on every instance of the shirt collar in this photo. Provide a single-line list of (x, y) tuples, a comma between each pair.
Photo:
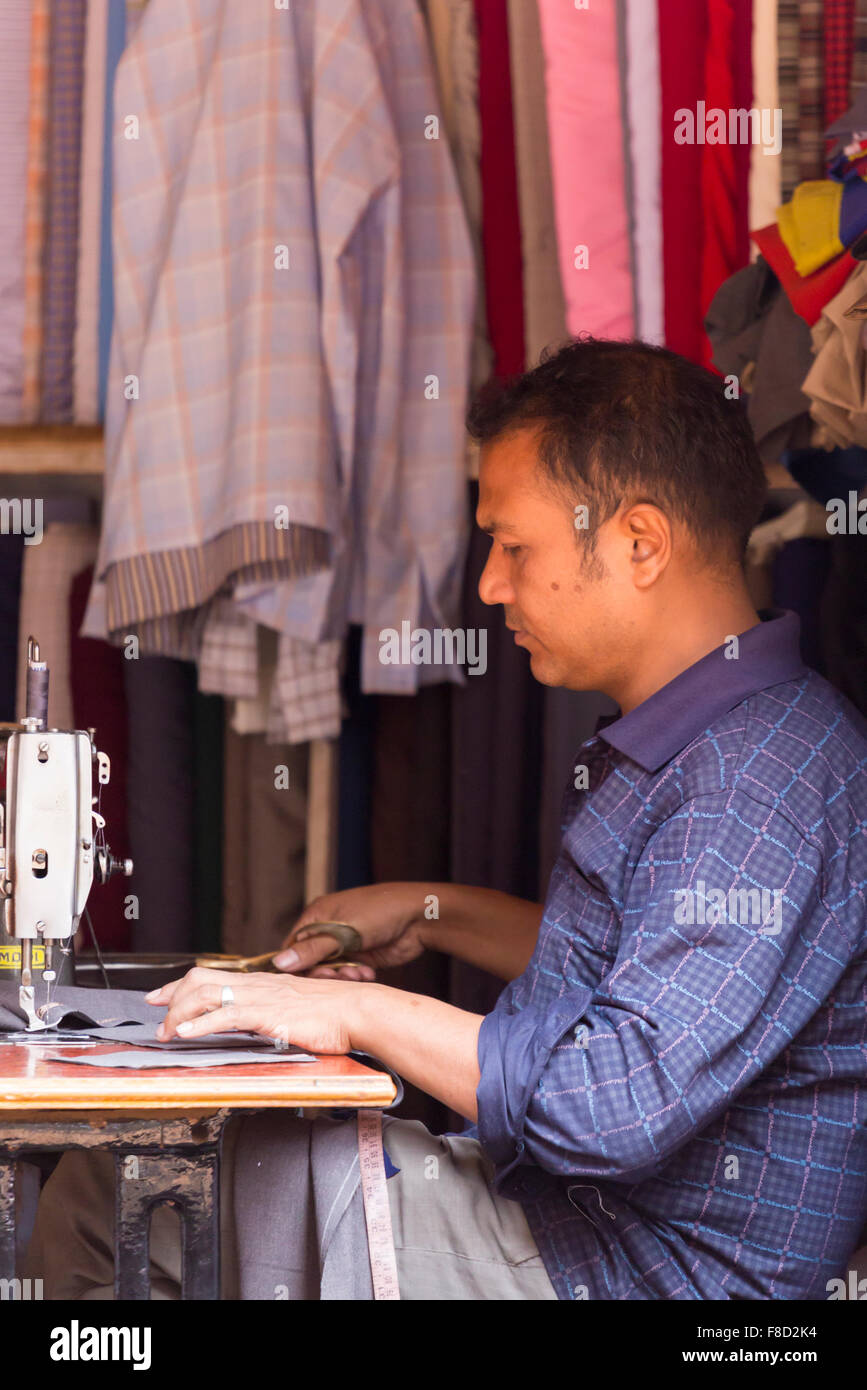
[(662, 725)]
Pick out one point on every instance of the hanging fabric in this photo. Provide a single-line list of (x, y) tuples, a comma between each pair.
[(87, 293), (725, 166), (811, 105), (586, 129), (839, 42), (766, 168), (643, 96), (62, 215), (682, 48), (544, 305), (347, 420), (859, 48), (788, 64), (15, 36), (35, 207), (501, 226)]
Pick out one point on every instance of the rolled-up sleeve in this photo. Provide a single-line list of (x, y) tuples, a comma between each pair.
[(690, 1012)]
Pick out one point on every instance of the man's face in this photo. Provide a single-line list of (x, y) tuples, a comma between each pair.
[(575, 620)]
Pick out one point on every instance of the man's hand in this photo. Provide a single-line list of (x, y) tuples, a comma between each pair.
[(397, 921), (313, 1014), (388, 916), (431, 1044)]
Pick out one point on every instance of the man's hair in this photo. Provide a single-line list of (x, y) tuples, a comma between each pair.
[(627, 422)]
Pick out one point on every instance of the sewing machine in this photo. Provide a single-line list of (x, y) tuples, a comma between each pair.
[(52, 845)]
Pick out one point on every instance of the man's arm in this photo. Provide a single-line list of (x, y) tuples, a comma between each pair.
[(483, 927), (430, 1044)]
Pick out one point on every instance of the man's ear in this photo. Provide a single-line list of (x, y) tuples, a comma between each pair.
[(647, 531)]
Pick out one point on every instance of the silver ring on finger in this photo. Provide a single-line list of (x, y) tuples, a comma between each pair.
[(227, 997)]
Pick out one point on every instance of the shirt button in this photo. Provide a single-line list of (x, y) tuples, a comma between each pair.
[(520, 1146)]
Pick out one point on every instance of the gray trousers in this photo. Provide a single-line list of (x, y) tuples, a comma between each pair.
[(454, 1237)]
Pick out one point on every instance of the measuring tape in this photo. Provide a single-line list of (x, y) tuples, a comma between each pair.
[(377, 1214)]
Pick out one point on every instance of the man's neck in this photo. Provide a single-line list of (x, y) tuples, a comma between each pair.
[(686, 635)]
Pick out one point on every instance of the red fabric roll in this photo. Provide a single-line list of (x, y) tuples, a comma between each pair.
[(98, 701), (501, 224), (725, 168), (683, 32)]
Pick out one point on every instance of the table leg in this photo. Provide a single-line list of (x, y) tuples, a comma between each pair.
[(7, 1217), (191, 1183)]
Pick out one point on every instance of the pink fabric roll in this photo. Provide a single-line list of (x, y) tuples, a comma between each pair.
[(588, 164)]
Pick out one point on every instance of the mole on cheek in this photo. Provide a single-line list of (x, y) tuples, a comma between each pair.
[(554, 585)]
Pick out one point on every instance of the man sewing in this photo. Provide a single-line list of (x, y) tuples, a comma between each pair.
[(670, 1097)]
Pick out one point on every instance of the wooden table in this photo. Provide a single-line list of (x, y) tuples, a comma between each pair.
[(164, 1126)]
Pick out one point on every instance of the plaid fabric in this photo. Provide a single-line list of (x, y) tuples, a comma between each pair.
[(839, 37), (788, 37), (61, 251), (34, 208), (228, 659), (335, 387), (811, 106), (859, 47), (305, 697), (682, 1108)]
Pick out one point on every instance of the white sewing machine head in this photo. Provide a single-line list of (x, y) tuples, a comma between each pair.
[(52, 844)]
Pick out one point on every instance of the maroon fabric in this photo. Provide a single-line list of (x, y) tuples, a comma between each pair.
[(742, 66), (839, 46), (98, 701), (501, 224), (683, 28)]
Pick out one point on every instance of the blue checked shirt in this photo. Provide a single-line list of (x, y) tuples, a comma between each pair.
[(676, 1087)]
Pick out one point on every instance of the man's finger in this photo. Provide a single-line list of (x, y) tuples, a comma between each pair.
[(303, 955), (228, 1020), (205, 1001), (343, 972)]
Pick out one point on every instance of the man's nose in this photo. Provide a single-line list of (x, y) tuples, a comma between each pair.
[(493, 583)]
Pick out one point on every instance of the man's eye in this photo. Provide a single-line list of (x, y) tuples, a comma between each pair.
[(512, 549)]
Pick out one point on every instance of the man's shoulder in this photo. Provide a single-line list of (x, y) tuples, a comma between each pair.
[(799, 746)]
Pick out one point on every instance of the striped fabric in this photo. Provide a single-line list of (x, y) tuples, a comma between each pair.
[(697, 995), (788, 35), (35, 208), (765, 193), (168, 582), (811, 106), (839, 36), (324, 382), (15, 25), (86, 365), (61, 250)]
